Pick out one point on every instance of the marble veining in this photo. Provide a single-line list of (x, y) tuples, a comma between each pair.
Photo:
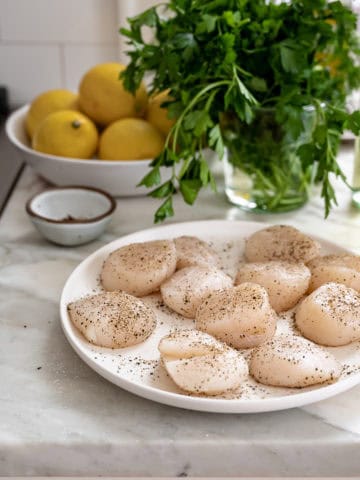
[(58, 417)]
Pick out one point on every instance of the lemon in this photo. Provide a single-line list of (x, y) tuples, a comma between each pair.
[(329, 61), (66, 133), (103, 97), (130, 139), (48, 102), (158, 115)]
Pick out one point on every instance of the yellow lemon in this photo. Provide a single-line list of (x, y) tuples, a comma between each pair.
[(48, 102), (158, 115), (66, 133), (328, 60), (103, 97), (130, 139)]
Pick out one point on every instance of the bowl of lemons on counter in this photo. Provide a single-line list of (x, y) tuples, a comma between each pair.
[(102, 136)]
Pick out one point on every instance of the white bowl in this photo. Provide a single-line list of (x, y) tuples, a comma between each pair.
[(71, 215), (119, 178)]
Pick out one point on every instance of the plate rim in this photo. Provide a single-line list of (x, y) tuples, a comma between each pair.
[(185, 401)]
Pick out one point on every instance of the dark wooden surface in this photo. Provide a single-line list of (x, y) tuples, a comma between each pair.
[(10, 166)]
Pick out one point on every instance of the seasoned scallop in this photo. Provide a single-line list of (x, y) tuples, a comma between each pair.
[(343, 269), (241, 316), (184, 291), (198, 363), (281, 242), (330, 315), (289, 361), (285, 282), (112, 319), (192, 251), (139, 268)]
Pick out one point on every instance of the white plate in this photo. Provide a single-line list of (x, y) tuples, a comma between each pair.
[(137, 369)]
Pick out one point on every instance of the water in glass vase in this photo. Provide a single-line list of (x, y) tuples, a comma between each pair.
[(261, 169)]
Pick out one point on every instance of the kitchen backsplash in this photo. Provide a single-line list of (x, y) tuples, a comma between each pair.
[(48, 44)]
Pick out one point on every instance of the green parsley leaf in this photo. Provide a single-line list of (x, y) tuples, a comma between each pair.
[(152, 178), (216, 141), (353, 123), (207, 25), (189, 189), (164, 211), (258, 84), (164, 190)]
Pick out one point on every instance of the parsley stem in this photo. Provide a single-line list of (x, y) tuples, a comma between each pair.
[(175, 129)]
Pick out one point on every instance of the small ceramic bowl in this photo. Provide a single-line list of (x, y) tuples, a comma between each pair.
[(71, 215)]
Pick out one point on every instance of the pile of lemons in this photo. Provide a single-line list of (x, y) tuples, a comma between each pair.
[(103, 119)]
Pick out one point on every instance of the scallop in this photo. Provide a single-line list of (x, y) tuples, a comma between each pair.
[(289, 361), (281, 242), (113, 319), (343, 269), (185, 290), (200, 364), (285, 282), (192, 251), (139, 268), (241, 316), (330, 315)]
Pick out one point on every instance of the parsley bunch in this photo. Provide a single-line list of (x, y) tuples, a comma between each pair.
[(235, 57)]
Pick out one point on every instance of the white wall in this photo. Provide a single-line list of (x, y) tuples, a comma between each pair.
[(126, 9), (48, 44)]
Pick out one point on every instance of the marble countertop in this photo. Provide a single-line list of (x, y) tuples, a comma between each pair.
[(58, 417)]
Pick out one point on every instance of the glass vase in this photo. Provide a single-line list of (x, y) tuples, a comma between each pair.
[(261, 168), (356, 174)]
